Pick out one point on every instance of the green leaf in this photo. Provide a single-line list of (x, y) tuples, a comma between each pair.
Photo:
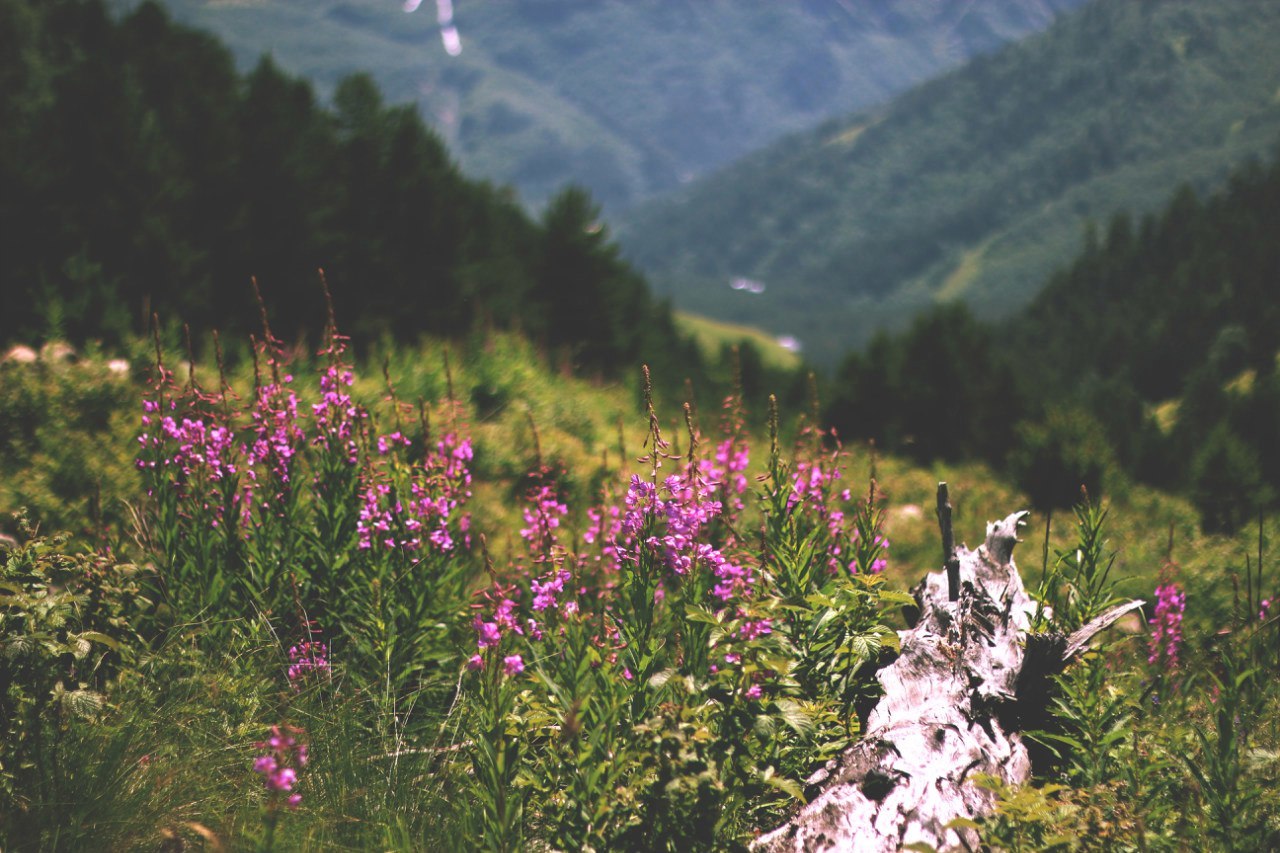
[(788, 786), (658, 679), (19, 646), (83, 703), (891, 596), (700, 615), (795, 715)]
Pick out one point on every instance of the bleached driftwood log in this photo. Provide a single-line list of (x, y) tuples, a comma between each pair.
[(968, 674)]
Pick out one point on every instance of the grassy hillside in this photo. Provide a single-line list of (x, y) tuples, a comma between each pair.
[(625, 98), (974, 186), (712, 336), (313, 671), (520, 414)]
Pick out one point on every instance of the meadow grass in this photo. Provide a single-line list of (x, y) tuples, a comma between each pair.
[(620, 657)]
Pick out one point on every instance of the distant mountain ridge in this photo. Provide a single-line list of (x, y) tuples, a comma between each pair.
[(975, 185), (625, 97)]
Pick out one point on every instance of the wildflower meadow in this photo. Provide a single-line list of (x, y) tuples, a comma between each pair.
[(311, 641)]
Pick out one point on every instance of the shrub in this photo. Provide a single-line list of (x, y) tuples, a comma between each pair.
[(1226, 482), (1055, 457), (66, 627)]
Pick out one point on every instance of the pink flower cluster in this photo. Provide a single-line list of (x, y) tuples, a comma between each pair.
[(686, 506), (729, 470), (755, 630), (489, 632), (190, 446), (445, 486), (546, 591), (878, 565), (812, 486), (542, 517), (286, 755), (277, 438), (307, 659), (1166, 632), (195, 453), (277, 435), (336, 415), (435, 492), (387, 443)]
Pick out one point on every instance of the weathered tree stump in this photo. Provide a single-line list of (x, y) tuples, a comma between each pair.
[(967, 675)]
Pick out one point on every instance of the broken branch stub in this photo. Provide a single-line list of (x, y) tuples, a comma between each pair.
[(950, 710), (949, 560)]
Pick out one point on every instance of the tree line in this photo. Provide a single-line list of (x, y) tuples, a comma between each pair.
[(1153, 355), (141, 173)]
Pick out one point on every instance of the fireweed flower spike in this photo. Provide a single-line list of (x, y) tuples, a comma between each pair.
[(685, 503), (541, 517), (277, 435), (504, 620), (336, 415), (307, 660), (285, 755), (1166, 632), (428, 517)]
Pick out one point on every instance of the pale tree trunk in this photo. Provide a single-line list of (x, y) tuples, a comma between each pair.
[(953, 701)]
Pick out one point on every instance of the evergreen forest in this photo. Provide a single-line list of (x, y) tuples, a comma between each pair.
[(141, 174)]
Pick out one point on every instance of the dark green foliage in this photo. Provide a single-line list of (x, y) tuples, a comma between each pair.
[(1181, 307), (53, 457), (940, 390), (1153, 355), (1055, 457), (140, 173), (595, 306), (1191, 286), (66, 620), (1226, 484)]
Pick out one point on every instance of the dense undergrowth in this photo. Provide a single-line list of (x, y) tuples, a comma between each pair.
[(329, 615)]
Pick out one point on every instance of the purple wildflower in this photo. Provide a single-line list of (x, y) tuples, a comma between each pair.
[(542, 517), (286, 755), (1166, 634), (488, 633), (428, 517), (755, 630), (336, 415), (545, 592), (307, 659)]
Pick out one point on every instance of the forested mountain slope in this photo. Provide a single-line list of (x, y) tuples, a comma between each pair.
[(626, 97), (1156, 353), (973, 186)]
